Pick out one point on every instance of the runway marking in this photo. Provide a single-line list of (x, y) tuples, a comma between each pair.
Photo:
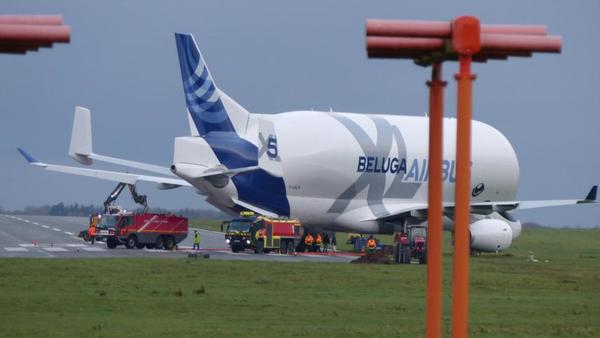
[(45, 226), (55, 249), (76, 245), (36, 223), (56, 229), (18, 249), (93, 249), (20, 219), (155, 250), (27, 245), (69, 233), (26, 221)]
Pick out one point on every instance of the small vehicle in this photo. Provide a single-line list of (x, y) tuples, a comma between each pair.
[(282, 234), (150, 230), (237, 233), (413, 243)]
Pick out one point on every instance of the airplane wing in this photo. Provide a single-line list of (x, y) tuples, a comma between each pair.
[(391, 211), (129, 178), (524, 205)]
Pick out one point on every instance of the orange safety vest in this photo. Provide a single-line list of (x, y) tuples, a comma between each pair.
[(371, 244), (308, 239)]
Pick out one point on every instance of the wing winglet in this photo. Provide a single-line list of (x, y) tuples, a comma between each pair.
[(591, 196), (32, 160)]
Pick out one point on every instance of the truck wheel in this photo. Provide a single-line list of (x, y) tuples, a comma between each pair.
[(169, 242), (111, 242), (260, 247), (140, 245), (160, 242), (86, 236), (131, 242)]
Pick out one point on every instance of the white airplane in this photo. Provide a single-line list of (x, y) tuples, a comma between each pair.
[(335, 171)]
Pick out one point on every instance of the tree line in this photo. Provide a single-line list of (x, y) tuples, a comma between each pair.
[(61, 209)]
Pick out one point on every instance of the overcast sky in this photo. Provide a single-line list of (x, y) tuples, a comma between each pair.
[(274, 56)]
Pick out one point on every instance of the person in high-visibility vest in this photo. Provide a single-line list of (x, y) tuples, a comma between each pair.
[(308, 241), (196, 240), (371, 244), (319, 242), (92, 228)]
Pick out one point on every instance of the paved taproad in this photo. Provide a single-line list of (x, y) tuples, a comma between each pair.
[(56, 237)]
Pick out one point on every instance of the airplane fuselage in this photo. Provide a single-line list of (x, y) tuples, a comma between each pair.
[(334, 163)]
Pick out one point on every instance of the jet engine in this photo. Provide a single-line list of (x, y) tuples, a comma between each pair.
[(490, 235)]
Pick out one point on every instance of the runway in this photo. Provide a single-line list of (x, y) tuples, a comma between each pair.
[(34, 236)]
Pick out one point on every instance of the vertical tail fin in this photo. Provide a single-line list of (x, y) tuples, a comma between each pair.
[(203, 98)]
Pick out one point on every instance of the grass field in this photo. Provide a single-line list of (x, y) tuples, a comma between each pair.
[(510, 297), (213, 225)]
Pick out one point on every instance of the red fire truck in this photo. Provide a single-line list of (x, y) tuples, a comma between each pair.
[(280, 234), (159, 231)]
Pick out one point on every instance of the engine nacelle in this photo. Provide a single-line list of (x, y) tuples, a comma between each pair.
[(491, 235)]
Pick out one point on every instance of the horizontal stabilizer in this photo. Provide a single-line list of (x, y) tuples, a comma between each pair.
[(194, 171)]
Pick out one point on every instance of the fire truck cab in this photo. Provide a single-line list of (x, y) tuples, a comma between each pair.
[(237, 233)]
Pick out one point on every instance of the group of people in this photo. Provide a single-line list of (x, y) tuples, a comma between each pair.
[(321, 242)]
